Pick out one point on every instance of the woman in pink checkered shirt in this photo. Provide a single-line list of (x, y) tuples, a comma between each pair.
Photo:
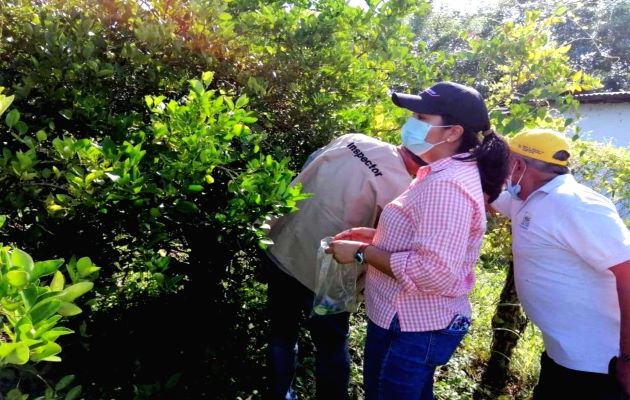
[(422, 254)]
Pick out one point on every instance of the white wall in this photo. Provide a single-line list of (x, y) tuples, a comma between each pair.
[(605, 122)]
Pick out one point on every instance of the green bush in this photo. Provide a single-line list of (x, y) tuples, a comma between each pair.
[(35, 299)]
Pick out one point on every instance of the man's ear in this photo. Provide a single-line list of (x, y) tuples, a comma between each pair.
[(520, 166)]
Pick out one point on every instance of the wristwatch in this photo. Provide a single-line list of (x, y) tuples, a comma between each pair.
[(359, 256)]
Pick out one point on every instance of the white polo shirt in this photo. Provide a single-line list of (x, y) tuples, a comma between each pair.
[(565, 237)]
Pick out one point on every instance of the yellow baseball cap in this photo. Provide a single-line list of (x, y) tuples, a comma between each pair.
[(540, 144)]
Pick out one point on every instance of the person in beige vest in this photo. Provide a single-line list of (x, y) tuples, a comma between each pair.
[(351, 180)]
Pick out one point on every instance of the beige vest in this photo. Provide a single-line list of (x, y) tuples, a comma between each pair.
[(351, 180)]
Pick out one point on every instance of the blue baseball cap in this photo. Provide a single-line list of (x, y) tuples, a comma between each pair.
[(462, 103)]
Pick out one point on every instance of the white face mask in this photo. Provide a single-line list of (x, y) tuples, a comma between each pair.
[(414, 134), (512, 188)]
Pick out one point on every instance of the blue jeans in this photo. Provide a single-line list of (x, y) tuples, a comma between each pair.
[(289, 305), (400, 365)]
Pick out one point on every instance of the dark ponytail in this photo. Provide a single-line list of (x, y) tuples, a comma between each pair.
[(491, 154), (492, 157)]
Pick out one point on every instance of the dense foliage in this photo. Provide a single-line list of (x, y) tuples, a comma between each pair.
[(155, 138), (596, 33)]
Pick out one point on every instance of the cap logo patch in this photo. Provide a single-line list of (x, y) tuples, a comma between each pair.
[(431, 92), (529, 149)]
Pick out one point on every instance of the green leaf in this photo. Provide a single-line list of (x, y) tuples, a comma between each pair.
[(105, 73), (186, 207), (3, 220), (24, 328), (29, 295), (12, 118), (72, 269), (58, 282), (22, 260), (54, 333), (250, 120), (44, 310), (229, 102), (45, 326), (237, 129), (15, 394), (266, 242), (74, 393), (14, 353), (41, 135), (43, 268), (173, 380), (206, 77), (561, 10), (67, 114), (85, 267), (64, 382), (68, 309), (51, 359), (45, 351), (241, 101), (196, 86), (195, 188), (5, 102), (22, 128), (18, 279), (49, 394), (78, 289)]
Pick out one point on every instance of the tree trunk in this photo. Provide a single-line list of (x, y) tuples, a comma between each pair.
[(508, 324)]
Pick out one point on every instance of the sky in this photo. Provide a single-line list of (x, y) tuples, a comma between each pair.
[(464, 6)]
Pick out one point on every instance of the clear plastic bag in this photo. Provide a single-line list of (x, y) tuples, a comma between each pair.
[(339, 287)]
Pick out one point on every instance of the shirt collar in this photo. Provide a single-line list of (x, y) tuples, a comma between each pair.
[(444, 163), (555, 182), (437, 166)]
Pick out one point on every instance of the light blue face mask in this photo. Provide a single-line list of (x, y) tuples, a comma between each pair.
[(512, 188), (414, 134)]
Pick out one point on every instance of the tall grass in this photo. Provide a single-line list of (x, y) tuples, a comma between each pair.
[(458, 379)]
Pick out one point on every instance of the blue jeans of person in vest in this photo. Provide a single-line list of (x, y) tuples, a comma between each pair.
[(289, 305)]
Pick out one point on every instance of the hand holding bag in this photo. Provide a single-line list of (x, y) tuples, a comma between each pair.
[(339, 287)]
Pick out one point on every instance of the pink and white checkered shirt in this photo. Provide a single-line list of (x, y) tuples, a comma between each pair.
[(434, 231)]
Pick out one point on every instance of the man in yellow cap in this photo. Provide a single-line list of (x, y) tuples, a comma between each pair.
[(571, 268)]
